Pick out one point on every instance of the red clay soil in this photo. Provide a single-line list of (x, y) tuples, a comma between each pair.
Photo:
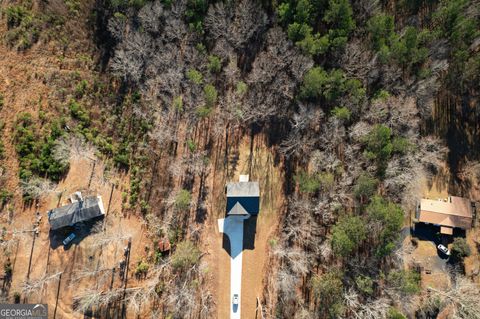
[(255, 268), (48, 261)]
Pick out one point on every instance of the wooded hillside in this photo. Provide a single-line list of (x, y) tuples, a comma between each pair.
[(359, 103)]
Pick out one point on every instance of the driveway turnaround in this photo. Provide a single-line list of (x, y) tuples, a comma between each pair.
[(232, 226)]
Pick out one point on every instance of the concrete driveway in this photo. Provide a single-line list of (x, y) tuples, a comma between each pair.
[(232, 226)]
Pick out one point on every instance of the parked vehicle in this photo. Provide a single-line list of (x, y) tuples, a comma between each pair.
[(444, 249), (69, 239), (235, 300)]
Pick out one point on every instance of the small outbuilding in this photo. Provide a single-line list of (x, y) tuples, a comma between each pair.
[(453, 212), (243, 197), (78, 211), (164, 246)]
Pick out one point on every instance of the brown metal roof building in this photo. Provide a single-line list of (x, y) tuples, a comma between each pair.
[(454, 212)]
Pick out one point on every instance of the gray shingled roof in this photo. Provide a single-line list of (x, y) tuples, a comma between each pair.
[(71, 214), (243, 189)]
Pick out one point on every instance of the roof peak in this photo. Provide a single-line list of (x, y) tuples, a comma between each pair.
[(237, 209)]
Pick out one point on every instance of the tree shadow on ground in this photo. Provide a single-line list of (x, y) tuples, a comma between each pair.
[(428, 232), (249, 233), (81, 231)]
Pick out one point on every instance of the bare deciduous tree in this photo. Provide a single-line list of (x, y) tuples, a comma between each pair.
[(150, 16), (106, 238), (34, 286), (130, 58), (37, 187), (72, 148), (372, 309), (464, 296)]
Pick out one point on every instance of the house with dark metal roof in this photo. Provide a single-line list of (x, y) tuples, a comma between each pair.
[(243, 197), (76, 212)]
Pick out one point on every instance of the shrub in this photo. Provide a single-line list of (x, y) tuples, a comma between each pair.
[(364, 284), (395, 314), (313, 44), (7, 268), (16, 15), (210, 95), (2, 150), (314, 83), (5, 196), (460, 248), (328, 290), (2, 101), (273, 242), (79, 113), (241, 88), (141, 269), (144, 208), (365, 187), (453, 23), (182, 200), (390, 218), (284, 13), (195, 76), (73, 6), (16, 297), (298, 31), (378, 144), (405, 281), (178, 103), (342, 113), (135, 184), (125, 4), (214, 64), (191, 145), (185, 256), (104, 144), (401, 145), (320, 84), (195, 13), (317, 26), (307, 183), (36, 151), (25, 26), (381, 95), (204, 111), (326, 180), (80, 89), (121, 155), (348, 234), (382, 30), (406, 49), (339, 16)]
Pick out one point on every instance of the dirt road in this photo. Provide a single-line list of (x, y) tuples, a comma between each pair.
[(262, 168)]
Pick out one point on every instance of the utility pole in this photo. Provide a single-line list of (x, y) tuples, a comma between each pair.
[(91, 175), (31, 253), (58, 293)]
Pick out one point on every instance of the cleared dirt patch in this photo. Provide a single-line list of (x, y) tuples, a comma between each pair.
[(84, 256), (262, 168)]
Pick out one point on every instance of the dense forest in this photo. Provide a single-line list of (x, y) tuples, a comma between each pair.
[(360, 101)]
